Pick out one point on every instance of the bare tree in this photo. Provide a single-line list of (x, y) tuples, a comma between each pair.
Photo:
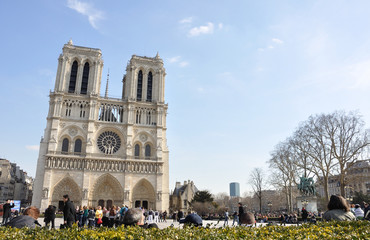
[(285, 170), (318, 149), (348, 140), (257, 182)]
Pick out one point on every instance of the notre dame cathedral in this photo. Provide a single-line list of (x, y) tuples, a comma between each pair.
[(100, 150)]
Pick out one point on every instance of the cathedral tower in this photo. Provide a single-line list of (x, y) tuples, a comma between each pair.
[(100, 150)]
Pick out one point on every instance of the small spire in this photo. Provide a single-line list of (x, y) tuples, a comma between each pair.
[(106, 87), (157, 56), (70, 42)]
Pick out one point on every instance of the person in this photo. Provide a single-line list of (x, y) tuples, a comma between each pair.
[(28, 219), (69, 212), (122, 212), (135, 217), (241, 212), (84, 216), (79, 215), (7, 210), (164, 216), (192, 219), (98, 217), (112, 216), (359, 213), (304, 215), (180, 215), (150, 216), (338, 209), (156, 216), (235, 218), (226, 222), (366, 211), (50, 216), (247, 219), (91, 217)]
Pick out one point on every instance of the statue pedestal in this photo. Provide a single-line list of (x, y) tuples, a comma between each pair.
[(308, 202)]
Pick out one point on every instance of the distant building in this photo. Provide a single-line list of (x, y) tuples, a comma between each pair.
[(14, 183), (182, 195), (357, 180), (234, 189)]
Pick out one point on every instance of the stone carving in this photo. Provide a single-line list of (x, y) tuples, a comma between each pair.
[(52, 139), (45, 193), (62, 125), (159, 196), (72, 131), (85, 193), (143, 137)]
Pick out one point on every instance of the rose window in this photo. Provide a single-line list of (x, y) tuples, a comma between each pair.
[(109, 142)]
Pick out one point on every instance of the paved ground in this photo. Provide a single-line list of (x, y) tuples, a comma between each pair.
[(161, 225)]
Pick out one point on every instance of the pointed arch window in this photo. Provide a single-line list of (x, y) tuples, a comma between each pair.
[(78, 146), (147, 151), (137, 151), (139, 86), (150, 87), (65, 145), (85, 78), (73, 77)]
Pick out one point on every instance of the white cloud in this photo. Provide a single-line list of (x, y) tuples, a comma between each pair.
[(220, 26), (32, 147), (278, 41), (183, 64), (86, 9), (174, 59), (275, 42), (186, 20), (178, 60), (206, 29)]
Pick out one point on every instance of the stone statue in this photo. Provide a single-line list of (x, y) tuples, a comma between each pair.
[(307, 186)]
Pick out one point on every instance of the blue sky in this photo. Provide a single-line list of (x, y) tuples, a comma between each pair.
[(241, 75)]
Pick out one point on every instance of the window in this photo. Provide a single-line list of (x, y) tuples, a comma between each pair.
[(147, 151), (78, 146), (137, 151), (139, 86), (72, 79), (85, 78), (150, 87), (65, 145)]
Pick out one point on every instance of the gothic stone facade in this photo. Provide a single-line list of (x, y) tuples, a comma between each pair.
[(100, 150)]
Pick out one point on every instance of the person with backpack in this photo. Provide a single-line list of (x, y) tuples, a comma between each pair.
[(91, 218)]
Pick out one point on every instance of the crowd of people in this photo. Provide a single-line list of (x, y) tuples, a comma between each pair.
[(95, 217)]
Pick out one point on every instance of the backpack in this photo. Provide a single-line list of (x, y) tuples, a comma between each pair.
[(91, 214)]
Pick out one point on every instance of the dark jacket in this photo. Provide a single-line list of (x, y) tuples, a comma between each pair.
[(50, 213), (22, 221), (69, 212), (7, 209)]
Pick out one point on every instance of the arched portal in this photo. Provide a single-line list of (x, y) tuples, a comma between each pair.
[(143, 195), (107, 191), (66, 186)]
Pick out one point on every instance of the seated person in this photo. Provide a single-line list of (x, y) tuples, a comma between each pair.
[(28, 219), (192, 219), (338, 209), (359, 213), (135, 217), (248, 219)]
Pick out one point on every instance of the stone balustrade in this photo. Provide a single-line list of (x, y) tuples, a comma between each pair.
[(131, 166)]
